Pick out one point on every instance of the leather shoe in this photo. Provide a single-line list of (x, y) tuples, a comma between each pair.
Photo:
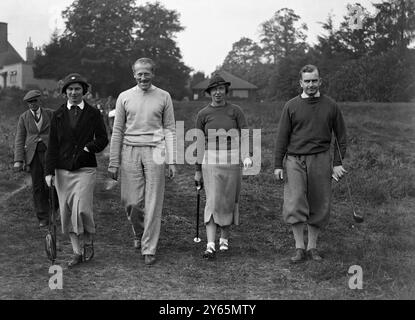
[(149, 259), (76, 259), (299, 256), (314, 255), (209, 254)]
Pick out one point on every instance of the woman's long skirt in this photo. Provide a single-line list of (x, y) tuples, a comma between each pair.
[(75, 192), (222, 182)]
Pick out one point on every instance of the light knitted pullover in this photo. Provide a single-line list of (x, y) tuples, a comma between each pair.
[(143, 118)]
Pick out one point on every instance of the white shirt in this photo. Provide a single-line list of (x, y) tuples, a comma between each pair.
[(38, 113), (305, 95), (81, 105)]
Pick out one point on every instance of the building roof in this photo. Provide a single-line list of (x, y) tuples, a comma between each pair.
[(10, 56), (236, 83)]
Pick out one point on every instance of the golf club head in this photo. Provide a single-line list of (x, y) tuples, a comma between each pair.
[(50, 247), (199, 185), (197, 240), (137, 243), (357, 218)]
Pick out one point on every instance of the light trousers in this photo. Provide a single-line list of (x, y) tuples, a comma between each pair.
[(142, 192)]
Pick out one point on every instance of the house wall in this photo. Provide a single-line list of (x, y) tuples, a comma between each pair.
[(29, 81), (240, 93), (21, 75), (234, 93), (14, 75)]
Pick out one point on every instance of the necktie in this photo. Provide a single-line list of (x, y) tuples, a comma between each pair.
[(74, 109), (37, 116)]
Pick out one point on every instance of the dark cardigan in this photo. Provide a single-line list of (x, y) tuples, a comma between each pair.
[(66, 144)]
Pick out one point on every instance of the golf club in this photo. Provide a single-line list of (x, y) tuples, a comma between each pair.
[(136, 240), (199, 186), (356, 217), (50, 239)]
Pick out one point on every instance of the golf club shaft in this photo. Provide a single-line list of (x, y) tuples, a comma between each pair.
[(132, 226), (197, 214), (347, 180)]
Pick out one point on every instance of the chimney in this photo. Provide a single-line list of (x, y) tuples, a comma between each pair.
[(3, 37), (30, 51)]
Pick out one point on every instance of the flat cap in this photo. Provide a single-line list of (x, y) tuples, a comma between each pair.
[(31, 95)]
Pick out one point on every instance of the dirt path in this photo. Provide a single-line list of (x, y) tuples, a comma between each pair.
[(256, 267), (10, 189)]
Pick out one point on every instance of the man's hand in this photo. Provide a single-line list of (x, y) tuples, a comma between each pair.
[(247, 163), (172, 171), (50, 180), (198, 176), (113, 173), (279, 174), (338, 172), (18, 166)]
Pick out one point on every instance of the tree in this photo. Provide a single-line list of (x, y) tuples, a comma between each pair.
[(356, 37), (102, 34), (281, 35), (196, 78), (154, 38), (102, 40), (394, 25), (244, 55), (385, 77)]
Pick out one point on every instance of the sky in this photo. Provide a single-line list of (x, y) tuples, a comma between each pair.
[(211, 26)]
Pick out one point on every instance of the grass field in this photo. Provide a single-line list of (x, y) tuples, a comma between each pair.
[(380, 162)]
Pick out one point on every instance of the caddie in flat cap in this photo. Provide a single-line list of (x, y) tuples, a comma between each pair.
[(216, 81), (75, 78), (31, 95)]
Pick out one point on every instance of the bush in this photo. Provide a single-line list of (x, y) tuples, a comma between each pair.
[(387, 77)]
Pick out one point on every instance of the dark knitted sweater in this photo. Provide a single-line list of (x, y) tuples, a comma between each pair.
[(227, 117), (306, 127)]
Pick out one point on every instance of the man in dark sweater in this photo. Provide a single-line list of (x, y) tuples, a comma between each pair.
[(303, 139)]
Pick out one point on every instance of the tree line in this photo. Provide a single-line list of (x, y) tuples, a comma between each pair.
[(103, 38), (367, 58)]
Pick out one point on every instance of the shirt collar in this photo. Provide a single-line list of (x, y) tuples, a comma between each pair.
[(305, 95), (81, 105), (38, 111), (149, 90)]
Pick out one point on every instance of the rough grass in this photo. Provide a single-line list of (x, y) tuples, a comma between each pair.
[(381, 172)]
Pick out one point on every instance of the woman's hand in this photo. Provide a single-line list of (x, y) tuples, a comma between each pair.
[(113, 173), (198, 176), (279, 174), (247, 163), (50, 180), (199, 179)]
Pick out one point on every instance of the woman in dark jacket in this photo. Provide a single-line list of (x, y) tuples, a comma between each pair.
[(77, 132)]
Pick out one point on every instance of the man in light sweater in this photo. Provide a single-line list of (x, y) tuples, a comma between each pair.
[(143, 139), (303, 139)]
